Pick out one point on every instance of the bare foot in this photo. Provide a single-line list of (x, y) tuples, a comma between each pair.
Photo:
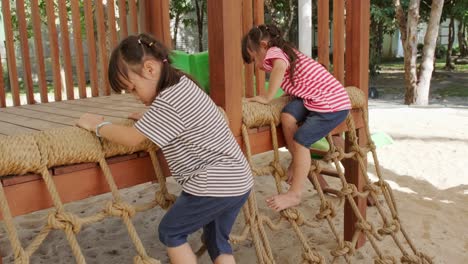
[(282, 201)]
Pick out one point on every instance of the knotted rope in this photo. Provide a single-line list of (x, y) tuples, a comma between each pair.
[(38, 152), (256, 115)]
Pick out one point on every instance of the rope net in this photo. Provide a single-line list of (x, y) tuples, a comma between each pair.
[(63, 146), (390, 225)]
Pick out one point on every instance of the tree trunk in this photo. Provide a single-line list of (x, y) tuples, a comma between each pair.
[(200, 12), (291, 18), (411, 51), (430, 40), (176, 30), (451, 38), (461, 39)]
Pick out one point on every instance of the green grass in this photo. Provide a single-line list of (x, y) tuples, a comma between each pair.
[(397, 64), (458, 91)]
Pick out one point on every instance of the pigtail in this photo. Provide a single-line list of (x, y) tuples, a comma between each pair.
[(272, 33)]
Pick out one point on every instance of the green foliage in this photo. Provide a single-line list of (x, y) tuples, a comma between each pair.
[(279, 12), (180, 8), (382, 22), (440, 51), (43, 16)]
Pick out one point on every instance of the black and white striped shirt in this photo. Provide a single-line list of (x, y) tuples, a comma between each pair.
[(200, 149)]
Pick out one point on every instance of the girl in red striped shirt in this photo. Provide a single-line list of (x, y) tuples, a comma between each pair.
[(320, 102)]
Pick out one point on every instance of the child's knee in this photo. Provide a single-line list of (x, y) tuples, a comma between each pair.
[(169, 236), (288, 119)]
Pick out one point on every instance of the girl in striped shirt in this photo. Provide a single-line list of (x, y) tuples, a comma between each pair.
[(202, 153), (320, 102)]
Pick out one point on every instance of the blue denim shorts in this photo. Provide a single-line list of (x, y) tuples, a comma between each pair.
[(312, 125), (216, 215)]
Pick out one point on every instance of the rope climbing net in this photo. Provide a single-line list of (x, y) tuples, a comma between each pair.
[(39, 151), (256, 115)]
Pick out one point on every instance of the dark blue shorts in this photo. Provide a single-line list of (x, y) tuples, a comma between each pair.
[(315, 125), (216, 215)]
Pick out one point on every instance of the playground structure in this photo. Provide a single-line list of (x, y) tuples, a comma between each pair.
[(66, 181)]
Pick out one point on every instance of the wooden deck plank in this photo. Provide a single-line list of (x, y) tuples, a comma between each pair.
[(100, 105), (74, 113), (66, 121), (8, 129), (94, 110), (118, 102), (28, 122), (33, 118)]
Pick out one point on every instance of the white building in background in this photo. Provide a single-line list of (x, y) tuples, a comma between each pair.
[(305, 26), (392, 46)]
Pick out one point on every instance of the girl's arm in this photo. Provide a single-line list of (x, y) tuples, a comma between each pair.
[(276, 77), (128, 136)]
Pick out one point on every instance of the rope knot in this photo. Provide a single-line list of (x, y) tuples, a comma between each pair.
[(120, 209), (365, 226), (342, 154), (145, 260), (164, 199), (390, 228), (326, 209), (349, 189), (312, 257), (371, 187), (276, 165), (64, 221), (334, 155), (346, 249), (293, 215)]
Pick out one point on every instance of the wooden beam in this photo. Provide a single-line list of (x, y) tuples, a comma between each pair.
[(224, 37), (75, 185), (157, 20), (357, 63)]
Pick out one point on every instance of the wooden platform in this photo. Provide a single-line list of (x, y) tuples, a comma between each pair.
[(78, 181)]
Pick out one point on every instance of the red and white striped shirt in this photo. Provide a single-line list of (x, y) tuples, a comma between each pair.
[(318, 88)]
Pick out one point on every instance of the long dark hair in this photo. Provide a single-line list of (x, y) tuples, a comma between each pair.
[(131, 53), (271, 34)]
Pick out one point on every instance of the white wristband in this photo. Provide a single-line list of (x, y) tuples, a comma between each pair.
[(101, 125)]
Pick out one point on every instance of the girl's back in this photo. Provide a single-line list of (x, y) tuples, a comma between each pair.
[(201, 151)]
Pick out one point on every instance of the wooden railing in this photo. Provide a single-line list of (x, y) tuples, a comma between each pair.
[(75, 36)]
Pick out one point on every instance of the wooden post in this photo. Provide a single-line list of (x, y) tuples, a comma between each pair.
[(323, 32), (338, 39), (247, 24), (224, 44), (259, 18), (357, 65), (156, 14)]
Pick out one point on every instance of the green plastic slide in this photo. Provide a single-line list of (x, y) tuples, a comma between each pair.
[(197, 65)]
